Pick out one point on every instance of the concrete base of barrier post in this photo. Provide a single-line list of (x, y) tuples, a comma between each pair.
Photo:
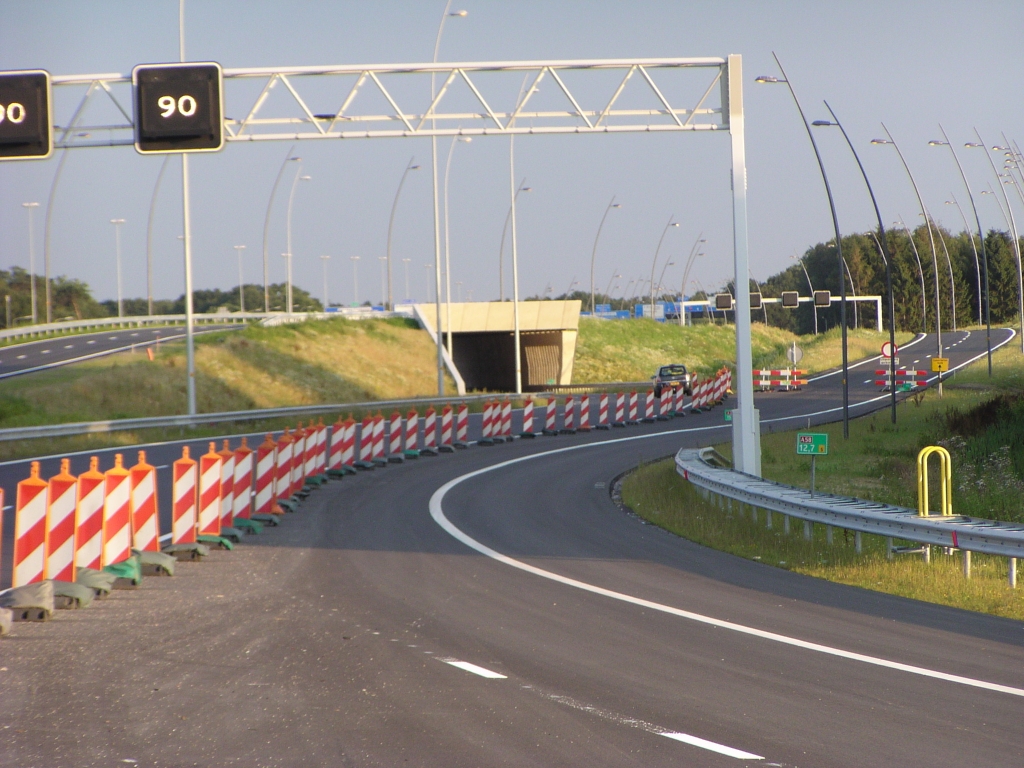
[(222, 542), (187, 552), (98, 581), (156, 563), (32, 602), (6, 617), (70, 595)]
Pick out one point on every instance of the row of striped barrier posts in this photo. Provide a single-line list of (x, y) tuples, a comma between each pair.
[(905, 380), (783, 379)]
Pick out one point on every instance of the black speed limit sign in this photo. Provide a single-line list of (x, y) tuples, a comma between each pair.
[(26, 131), (178, 107)]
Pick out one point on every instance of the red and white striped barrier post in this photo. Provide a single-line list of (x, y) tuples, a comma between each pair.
[(30, 530), (430, 446), (485, 430), (649, 406), (283, 474), (348, 446), (506, 419), (209, 493), (89, 536), (266, 477), (527, 419), (720, 387), (665, 405), (633, 411), (183, 515), (550, 425), (145, 514), (395, 438), (365, 443), (227, 487), (311, 465), (584, 413), (117, 521), (242, 508), (321, 447), (620, 410), (412, 434), (378, 439), (913, 379), (60, 541), (334, 462), (296, 463), (568, 419), (462, 427), (602, 413)]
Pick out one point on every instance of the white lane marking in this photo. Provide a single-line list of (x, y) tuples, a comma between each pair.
[(721, 749), (111, 337), (867, 360), (69, 346), (465, 665), (46, 352), (134, 334), (21, 357), (93, 341)]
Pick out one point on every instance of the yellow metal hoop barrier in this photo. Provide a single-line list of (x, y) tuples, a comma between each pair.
[(945, 474)]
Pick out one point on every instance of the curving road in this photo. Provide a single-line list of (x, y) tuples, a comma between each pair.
[(498, 608)]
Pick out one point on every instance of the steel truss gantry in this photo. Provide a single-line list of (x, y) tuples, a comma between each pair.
[(345, 102)]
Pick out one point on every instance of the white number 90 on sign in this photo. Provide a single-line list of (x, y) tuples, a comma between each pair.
[(184, 105), (14, 112)]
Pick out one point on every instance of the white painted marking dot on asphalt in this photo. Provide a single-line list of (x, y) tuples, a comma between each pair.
[(93, 341), (135, 334), (465, 665), (111, 337), (69, 346), (46, 351), (21, 357), (711, 745)]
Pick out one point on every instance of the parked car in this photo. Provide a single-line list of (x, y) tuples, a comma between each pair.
[(672, 376)]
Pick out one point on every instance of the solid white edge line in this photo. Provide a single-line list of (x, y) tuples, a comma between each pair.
[(721, 749), (468, 667)]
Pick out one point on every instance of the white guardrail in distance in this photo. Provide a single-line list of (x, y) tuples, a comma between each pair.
[(967, 533)]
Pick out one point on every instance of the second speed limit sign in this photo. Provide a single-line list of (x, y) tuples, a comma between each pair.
[(178, 107), (889, 349)]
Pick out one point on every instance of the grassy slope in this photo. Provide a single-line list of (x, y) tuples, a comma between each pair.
[(608, 350)]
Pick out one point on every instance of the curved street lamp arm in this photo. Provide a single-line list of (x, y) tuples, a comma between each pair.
[(655, 262), (593, 253), (391, 222), (266, 231)]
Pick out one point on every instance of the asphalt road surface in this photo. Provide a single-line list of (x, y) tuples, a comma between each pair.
[(31, 356), (496, 607)]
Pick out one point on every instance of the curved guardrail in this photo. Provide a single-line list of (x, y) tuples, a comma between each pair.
[(966, 533)]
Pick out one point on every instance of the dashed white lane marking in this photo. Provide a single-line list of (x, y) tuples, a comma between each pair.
[(46, 352), (465, 665), (69, 346), (93, 341), (721, 749), (21, 357)]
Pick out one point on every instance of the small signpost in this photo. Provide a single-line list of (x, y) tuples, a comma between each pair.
[(940, 364), (728, 415), (812, 444), (889, 349), (794, 354)]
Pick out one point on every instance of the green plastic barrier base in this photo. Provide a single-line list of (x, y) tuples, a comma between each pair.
[(69, 595), (336, 474), (411, 454), (98, 581), (248, 525), (186, 552), (380, 462), (364, 465), (32, 602), (155, 563), (217, 541), (232, 534), (265, 519), (128, 573), (288, 505)]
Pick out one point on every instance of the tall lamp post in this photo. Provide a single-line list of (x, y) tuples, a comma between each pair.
[(388, 303), (291, 200), (117, 240), (593, 253), (501, 250), (30, 207), (241, 290), (323, 260), (405, 263), (686, 272), (447, 243), (266, 226), (355, 280), (814, 308), (1013, 229), (149, 235), (974, 248), (931, 240), (654, 263), (839, 246), (981, 236), (383, 280)]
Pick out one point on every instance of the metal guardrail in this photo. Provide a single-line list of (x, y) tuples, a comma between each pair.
[(966, 533), (582, 389)]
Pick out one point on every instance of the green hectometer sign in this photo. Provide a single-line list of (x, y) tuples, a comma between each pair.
[(811, 444)]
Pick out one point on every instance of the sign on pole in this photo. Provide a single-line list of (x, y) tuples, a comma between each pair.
[(811, 444), (26, 130), (940, 364), (889, 349), (178, 107)]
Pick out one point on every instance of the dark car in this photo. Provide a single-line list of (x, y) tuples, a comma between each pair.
[(672, 376)]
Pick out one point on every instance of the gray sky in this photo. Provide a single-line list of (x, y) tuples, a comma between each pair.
[(909, 64)]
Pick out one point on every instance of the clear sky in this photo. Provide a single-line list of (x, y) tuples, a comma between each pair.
[(910, 65)]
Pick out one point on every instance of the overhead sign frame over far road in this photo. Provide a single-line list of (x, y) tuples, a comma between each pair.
[(26, 129)]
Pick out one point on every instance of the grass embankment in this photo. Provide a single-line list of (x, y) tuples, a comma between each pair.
[(981, 422), (610, 350), (314, 362)]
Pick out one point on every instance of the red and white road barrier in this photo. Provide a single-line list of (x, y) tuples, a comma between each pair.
[(412, 430), (462, 426), (321, 447), (550, 427), (903, 377), (620, 409), (30, 530), (485, 433), (584, 413), (283, 475), (60, 540), (430, 427), (528, 417), (784, 379), (633, 414), (506, 419), (720, 387), (266, 476), (378, 437), (366, 440), (312, 466), (348, 445), (395, 436), (117, 520), (227, 487), (679, 396), (298, 474), (602, 413), (665, 404), (649, 406), (337, 439), (209, 493), (145, 514), (183, 515), (568, 418), (89, 536), (242, 506)]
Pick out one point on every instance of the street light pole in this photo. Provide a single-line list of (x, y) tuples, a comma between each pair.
[(593, 253), (149, 235), (355, 280), (324, 259), (654, 263), (388, 303), (974, 247), (291, 200), (814, 308), (405, 263), (117, 240), (501, 250), (241, 292), (32, 257), (686, 272), (447, 243), (266, 227), (839, 246), (383, 280), (920, 271)]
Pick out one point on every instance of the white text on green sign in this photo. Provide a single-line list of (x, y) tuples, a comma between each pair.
[(812, 444)]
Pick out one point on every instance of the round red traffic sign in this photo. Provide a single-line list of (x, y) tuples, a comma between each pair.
[(889, 349)]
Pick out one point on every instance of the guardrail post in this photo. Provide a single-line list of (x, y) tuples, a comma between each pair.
[(785, 524), (967, 563), (808, 530), (768, 519), (858, 543), (1012, 563), (888, 547), (828, 535)]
